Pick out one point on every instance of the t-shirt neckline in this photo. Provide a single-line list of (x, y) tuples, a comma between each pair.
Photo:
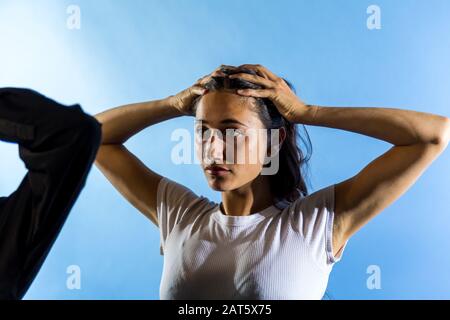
[(248, 219)]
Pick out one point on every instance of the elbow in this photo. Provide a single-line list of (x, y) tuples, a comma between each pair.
[(443, 137), (107, 135), (108, 131), (102, 126)]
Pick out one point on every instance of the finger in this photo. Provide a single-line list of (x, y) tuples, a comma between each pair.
[(262, 70), (218, 73), (254, 68), (227, 69), (199, 90), (271, 75), (258, 93), (254, 79), (200, 79), (206, 78)]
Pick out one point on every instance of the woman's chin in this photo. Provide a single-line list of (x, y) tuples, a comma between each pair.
[(218, 184)]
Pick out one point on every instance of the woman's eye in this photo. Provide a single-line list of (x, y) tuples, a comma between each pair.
[(203, 133), (237, 132), (198, 130)]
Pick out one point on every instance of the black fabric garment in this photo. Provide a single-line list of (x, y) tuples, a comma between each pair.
[(58, 145)]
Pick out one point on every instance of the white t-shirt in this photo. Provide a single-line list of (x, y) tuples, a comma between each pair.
[(274, 254)]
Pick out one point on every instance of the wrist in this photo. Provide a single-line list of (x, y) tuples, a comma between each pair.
[(312, 112), (171, 103), (307, 114), (303, 113)]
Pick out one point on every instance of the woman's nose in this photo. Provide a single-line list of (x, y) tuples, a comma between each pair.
[(214, 148)]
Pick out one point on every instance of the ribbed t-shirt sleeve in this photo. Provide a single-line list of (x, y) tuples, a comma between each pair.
[(174, 202), (313, 217)]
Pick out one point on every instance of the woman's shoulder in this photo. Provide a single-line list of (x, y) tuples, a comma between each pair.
[(175, 195)]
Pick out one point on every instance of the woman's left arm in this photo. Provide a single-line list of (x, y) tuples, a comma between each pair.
[(397, 126), (418, 139)]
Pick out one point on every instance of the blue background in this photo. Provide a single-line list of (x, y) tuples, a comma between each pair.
[(132, 51)]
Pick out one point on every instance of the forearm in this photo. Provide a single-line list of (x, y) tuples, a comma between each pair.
[(121, 123), (396, 126)]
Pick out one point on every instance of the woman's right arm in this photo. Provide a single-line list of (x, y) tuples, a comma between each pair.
[(135, 181)]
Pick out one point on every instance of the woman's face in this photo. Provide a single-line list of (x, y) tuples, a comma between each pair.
[(242, 152)]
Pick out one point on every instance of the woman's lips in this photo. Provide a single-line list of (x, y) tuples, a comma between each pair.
[(217, 171)]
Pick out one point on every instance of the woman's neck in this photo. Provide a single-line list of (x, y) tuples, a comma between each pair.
[(250, 198)]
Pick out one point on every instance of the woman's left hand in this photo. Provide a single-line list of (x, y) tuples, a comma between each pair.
[(275, 89)]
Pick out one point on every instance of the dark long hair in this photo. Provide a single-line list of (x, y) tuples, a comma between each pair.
[(289, 181)]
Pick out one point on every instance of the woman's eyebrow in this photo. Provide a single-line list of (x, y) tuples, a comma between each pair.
[(225, 121)]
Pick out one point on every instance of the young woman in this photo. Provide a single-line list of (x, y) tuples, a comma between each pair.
[(267, 239)]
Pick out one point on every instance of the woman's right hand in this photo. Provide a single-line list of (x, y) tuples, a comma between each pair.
[(184, 99)]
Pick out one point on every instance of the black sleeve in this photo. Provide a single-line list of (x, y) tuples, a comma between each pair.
[(58, 145)]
